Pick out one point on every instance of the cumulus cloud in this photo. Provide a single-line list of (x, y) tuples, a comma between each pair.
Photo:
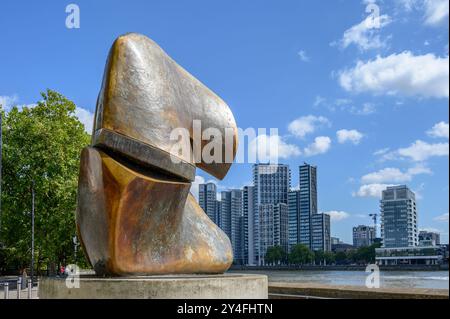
[(421, 151), (442, 218), (337, 215), (320, 145), (394, 175), (269, 148), (352, 136), (86, 117), (371, 190), (306, 125), (400, 74), (365, 35), (439, 130), (436, 12)]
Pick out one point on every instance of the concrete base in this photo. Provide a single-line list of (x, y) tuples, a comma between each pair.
[(226, 286)]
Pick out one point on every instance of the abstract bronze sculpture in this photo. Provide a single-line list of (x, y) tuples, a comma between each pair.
[(135, 214)]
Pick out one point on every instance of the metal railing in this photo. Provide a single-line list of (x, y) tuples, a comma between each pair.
[(8, 286)]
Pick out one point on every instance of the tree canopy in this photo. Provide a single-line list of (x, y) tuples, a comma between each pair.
[(275, 255), (300, 255), (40, 144)]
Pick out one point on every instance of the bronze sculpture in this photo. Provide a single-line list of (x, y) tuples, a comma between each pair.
[(135, 214)]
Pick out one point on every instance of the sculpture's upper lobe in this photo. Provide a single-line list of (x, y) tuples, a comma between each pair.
[(145, 95)]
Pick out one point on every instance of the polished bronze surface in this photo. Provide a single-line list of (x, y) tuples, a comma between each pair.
[(145, 95), (135, 215), (135, 223)]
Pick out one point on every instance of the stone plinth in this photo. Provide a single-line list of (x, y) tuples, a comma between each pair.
[(226, 286)]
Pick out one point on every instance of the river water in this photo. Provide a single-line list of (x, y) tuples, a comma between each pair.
[(388, 279)]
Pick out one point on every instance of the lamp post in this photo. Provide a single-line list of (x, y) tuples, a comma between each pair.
[(75, 246), (32, 231), (1, 143)]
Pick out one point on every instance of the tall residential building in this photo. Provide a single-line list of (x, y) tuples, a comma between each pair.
[(363, 236), (273, 227), (429, 238), (237, 226), (271, 186), (247, 210), (398, 217), (218, 213), (308, 202), (207, 197), (225, 212), (320, 232), (294, 216)]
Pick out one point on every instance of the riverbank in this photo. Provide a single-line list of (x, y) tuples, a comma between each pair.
[(357, 278), (443, 267), (284, 290)]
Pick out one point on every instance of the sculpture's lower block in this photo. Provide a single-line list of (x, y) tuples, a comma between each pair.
[(227, 286), (133, 221)]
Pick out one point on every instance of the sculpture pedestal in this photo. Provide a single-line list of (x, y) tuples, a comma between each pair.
[(226, 286)]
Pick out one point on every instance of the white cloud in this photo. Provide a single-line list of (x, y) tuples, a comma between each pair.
[(337, 215), (371, 190), (442, 218), (306, 125), (7, 102), (352, 136), (439, 130), (265, 148), (85, 117), (381, 151), (436, 12), (421, 151), (364, 34), (319, 100), (367, 109), (303, 56), (194, 186), (320, 145), (400, 74), (394, 175)]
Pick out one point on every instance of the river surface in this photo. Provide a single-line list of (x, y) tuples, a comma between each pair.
[(388, 279)]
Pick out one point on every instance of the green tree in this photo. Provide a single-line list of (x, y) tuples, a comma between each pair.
[(275, 255), (366, 254), (341, 257), (329, 257), (41, 144), (300, 255), (319, 257)]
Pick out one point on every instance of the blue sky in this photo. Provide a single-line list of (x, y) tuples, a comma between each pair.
[(365, 102)]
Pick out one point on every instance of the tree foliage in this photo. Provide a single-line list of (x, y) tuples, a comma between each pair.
[(275, 255), (301, 255), (40, 144)]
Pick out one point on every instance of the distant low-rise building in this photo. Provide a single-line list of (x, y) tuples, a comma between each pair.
[(363, 236), (431, 255), (429, 238)]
